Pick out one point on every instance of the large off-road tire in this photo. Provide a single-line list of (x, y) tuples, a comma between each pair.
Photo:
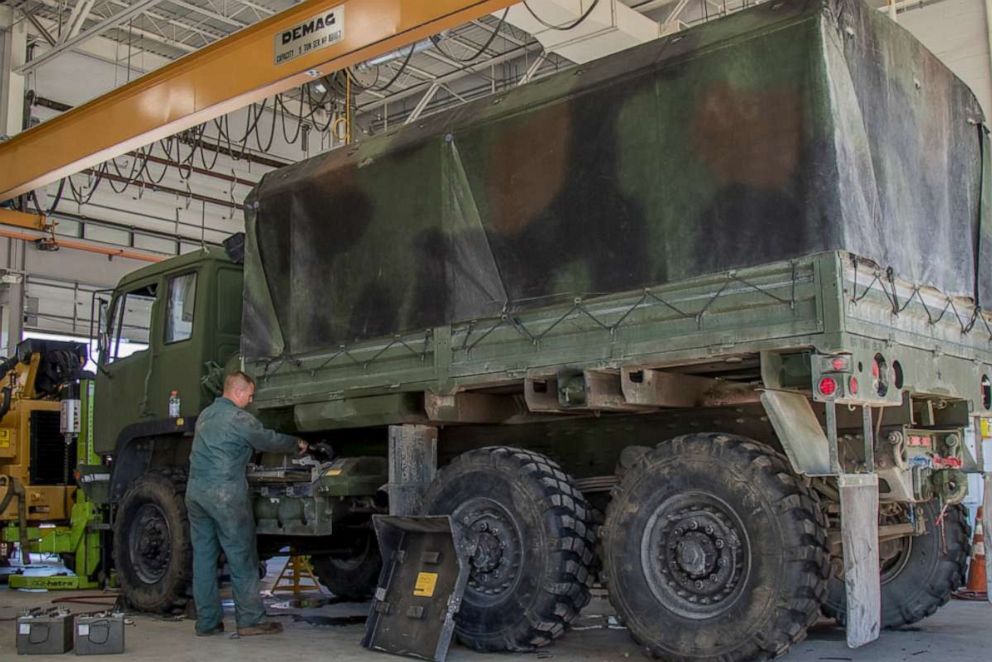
[(354, 576), (152, 549), (714, 550), (919, 573), (533, 546)]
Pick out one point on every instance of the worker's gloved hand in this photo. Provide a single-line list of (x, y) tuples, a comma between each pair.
[(322, 451), (303, 446)]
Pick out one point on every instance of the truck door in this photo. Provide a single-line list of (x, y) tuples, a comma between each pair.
[(125, 362), (178, 344)]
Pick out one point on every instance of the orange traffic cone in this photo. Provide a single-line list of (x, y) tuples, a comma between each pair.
[(977, 588)]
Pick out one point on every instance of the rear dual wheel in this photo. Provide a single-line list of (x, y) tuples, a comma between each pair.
[(918, 573), (714, 550)]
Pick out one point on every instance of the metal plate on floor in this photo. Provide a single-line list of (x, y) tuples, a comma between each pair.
[(424, 573)]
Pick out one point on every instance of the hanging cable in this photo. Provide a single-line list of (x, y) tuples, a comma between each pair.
[(574, 24), (396, 77), (122, 176), (58, 198), (436, 40)]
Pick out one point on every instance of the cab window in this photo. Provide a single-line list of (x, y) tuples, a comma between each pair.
[(130, 323), (180, 308)]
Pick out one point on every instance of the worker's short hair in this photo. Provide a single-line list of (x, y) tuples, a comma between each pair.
[(237, 378)]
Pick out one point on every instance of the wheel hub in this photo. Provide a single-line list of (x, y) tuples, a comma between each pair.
[(495, 549), (695, 554), (150, 543)]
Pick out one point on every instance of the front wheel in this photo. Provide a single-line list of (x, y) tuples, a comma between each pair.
[(713, 549), (152, 549)]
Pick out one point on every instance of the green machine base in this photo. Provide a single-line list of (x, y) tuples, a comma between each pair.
[(52, 583), (75, 540)]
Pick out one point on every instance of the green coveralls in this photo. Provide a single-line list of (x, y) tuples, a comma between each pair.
[(220, 511)]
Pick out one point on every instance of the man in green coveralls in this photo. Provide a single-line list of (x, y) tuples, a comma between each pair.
[(220, 510)]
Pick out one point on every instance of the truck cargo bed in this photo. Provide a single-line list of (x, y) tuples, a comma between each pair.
[(711, 325)]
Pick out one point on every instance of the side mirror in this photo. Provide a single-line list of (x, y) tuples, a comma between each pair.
[(102, 330)]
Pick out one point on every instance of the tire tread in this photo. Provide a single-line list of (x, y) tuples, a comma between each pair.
[(567, 592), (795, 501)]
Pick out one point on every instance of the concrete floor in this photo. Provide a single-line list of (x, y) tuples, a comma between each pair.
[(960, 631)]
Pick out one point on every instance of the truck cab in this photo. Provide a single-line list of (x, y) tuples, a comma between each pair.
[(171, 326), (172, 329)]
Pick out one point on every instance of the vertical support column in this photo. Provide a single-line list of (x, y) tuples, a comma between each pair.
[(830, 409), (11, 295), (13, 52), (859, 534), (412, 465), (869, 438)]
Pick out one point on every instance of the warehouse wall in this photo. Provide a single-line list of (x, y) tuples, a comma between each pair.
[(957, 32), (54, 288)]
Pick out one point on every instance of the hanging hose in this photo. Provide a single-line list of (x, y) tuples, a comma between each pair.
[(98, 599), (5, 403), (15, 489)]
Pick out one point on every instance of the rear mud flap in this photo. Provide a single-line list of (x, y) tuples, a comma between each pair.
[(859, 533), (424, 573)]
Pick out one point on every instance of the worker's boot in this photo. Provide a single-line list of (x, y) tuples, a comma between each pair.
[(217, 629), (267, 627)]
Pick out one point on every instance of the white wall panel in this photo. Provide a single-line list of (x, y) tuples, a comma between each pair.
[(957, 32)]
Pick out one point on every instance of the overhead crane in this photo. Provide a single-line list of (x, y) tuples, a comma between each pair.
[(308, 41)]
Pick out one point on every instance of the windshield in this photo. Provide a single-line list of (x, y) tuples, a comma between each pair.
[(128, 323)]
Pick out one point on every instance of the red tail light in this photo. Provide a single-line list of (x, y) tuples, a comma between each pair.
[(827, 386)]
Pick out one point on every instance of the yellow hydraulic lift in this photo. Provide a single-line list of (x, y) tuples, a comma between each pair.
[(312, 39)]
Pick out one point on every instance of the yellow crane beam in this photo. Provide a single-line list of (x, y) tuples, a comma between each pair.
[(22, 219), (311, 39)]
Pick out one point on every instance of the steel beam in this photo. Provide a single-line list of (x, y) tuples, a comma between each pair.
[(77, 18), (210, 14), (222, 77), (422, 104), (96, 47), (33, 20), (93, 31), (86, 246), (21, 220), (532, 69), (474, 68)]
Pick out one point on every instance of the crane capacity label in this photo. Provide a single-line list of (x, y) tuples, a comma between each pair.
[(313, 34)]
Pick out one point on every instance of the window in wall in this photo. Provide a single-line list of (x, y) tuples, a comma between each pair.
[(130, 321), (179, 313)]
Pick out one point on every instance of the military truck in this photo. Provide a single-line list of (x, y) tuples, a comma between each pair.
[(692, 321)]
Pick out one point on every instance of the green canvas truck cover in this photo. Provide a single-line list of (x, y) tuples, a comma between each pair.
[(785, 130)]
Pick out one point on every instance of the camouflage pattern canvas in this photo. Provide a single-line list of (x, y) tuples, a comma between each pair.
[(789, 129)]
